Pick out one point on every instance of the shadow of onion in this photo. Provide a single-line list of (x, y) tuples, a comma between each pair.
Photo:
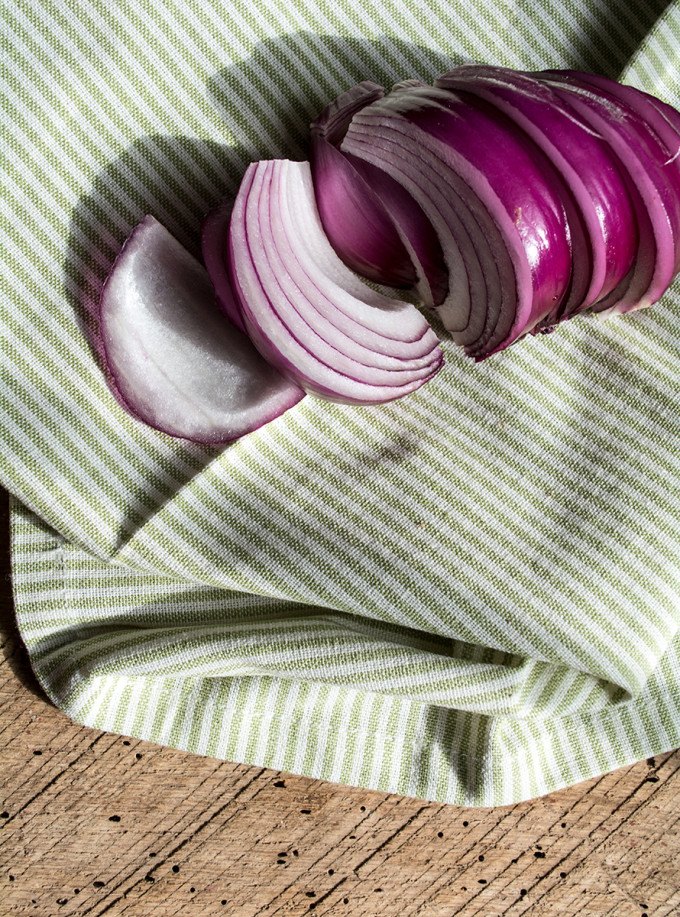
[(269, 100), (178, 179), (612, 34)]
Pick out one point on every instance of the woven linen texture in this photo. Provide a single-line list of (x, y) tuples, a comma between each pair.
[(471, 595)]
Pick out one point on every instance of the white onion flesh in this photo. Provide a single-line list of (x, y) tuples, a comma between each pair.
[(300, 303), (177, 363)]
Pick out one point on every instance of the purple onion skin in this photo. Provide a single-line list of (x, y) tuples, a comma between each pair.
[(414, 226), (353, 216), (214, 235), (355, 220), (602, 224), (652, 137), (657, 204), (528, 191), (670, 113), (661, 118)]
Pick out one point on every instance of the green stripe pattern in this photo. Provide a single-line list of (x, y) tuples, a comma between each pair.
[(471, 595)]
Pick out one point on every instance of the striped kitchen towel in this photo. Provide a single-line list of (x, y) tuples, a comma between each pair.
[(471, 595)]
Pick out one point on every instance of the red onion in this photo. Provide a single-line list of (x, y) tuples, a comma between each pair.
[(508, 201), (596, 198), (352, 215), (549, 193), (656, 201), (660, 117), (368, 217), (521, 201), (175, 362), (414, 229), (305, 311)]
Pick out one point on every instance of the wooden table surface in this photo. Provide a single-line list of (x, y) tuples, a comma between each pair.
[(93, 824)]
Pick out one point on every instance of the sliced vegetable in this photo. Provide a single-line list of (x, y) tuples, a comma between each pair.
[(352, 214), (549, 194), (368, 215), (524, 202), (306, 312), (176, 363), (656, 202), (415, 231), (462, 245), (214, 244), (508, 201), (660, 117), (595, 193)]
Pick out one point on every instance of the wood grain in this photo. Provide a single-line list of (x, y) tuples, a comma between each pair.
[(94, 824)]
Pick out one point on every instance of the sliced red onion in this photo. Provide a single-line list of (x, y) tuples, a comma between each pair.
[(324, 304), (305, 311), (659, 115), (354, 198), (354, 218), (511, 201), (346, 346), (468, 306), (599, 209), (548, 194), (663, 120), (522, 202), (657, 207), (414, 229), (176, 362), (530, 191), (214, 238)]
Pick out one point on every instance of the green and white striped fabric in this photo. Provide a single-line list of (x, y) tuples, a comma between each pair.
[(471, 595)]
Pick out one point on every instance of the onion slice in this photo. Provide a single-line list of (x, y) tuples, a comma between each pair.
[(214, 238), (362, 207), (656, 204), (522, 202), (306, 312), (352, 214), (598, 205), (415, 231), (659, 116), (470, 240), (175, 361)]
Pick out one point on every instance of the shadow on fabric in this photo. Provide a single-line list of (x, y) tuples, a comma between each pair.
[(606, 39), (179, 179)]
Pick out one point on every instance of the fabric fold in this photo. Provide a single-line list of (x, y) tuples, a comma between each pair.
[(88, 619), (508, 730)]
